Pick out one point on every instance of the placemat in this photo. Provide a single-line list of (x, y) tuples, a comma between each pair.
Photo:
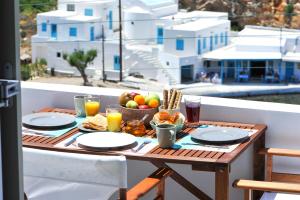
[(140, 140), (52, 133)]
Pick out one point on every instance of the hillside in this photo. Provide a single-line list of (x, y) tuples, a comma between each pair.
[(276, 13)]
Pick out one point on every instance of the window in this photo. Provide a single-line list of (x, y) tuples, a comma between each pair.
[(88, 12), (73, 32), (92, 33), (70, 7), (58, 54), (204, 43), (216, 39), (222, 38), (44, 27), (116, 62), (167, 63), (179, 44), (132, 23)]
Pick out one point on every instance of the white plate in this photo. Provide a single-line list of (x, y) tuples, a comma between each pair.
[(219, 135), (49, 120), (105, 140)]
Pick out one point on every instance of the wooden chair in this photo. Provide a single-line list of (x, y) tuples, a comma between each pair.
[(279, 186), (156, 179)]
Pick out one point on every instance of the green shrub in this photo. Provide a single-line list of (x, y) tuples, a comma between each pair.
[(25, 72)]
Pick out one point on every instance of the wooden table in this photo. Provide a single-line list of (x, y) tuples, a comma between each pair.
[(210, 161)]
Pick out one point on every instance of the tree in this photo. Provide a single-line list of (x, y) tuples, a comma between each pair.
[(81, 60), (288, 13)]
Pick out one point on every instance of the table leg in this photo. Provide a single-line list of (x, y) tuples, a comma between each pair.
[(258, 163), (222, 183), (184, 182)]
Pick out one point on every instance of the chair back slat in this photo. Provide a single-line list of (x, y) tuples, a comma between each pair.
[(285, 177)]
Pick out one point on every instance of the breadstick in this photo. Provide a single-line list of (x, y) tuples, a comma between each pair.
[(172, 99), (176, 99), (179, 100), (170, 95), (165, 99)]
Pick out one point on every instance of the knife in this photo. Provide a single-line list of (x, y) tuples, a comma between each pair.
[(73, 139)]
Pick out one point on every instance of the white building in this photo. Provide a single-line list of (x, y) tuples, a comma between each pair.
[(259, 54), (160, 42)]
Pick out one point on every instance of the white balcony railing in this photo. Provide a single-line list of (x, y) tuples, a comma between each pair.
[(282, 121)]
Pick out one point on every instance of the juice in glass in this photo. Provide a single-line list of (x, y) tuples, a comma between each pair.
[(92, 106), (192, 107), (114, 119)]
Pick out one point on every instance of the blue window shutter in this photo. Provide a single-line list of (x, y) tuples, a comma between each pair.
[(88, 12), (226, 38), (116, 62), (179, 44), (204, 43), (221, 37), (160, 35), (211, 43), (73, 32), (216, 39), (44, 27), (110, 20), (199, 47), (92, 33), (54, 31)]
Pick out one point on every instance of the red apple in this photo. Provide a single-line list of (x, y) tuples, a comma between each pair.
[(133, 94), (144, 107)]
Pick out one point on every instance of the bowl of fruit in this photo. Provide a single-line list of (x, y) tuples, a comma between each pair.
[(136, 106)]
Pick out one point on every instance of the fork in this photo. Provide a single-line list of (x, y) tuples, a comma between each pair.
[(208, 145)]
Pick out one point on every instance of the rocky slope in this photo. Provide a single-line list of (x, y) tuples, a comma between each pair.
[(255, 12)]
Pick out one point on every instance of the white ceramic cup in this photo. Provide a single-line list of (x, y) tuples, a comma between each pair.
[(166, 135)]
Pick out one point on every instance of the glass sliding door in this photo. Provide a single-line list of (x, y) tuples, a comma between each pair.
[(11, 173)]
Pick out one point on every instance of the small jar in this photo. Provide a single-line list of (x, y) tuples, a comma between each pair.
[(136, 128)]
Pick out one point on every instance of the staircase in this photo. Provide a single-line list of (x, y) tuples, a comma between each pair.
[(150, 60)]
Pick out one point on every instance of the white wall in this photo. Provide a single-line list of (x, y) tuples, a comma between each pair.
[(282, 121)]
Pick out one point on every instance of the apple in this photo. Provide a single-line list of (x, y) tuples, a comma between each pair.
[(144, 107), (124, 98), (133, 94), (151, 96), (131, 104)]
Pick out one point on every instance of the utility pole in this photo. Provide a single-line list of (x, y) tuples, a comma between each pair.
[(120, 47), (103, 56)]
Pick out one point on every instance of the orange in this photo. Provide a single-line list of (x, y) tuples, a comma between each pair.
[(153, 103), (139, 99)]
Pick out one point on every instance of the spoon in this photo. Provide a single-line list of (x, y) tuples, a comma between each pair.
[(146, 141), (144, 118)]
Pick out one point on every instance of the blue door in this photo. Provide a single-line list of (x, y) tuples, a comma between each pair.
[(54, 31), (92, 33), (116, 62), (160, 35), (110, 19), (289, 70), (211, 43)]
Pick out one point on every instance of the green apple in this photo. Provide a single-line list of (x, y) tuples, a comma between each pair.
[(131, 104), (151, 96)]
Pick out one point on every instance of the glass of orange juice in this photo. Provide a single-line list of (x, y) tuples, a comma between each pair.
[(91, 105), (114, 118)]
